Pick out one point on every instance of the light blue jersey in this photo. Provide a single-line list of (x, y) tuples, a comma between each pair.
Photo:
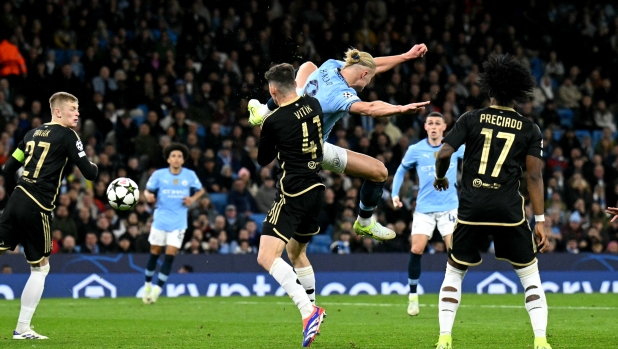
[(170, 213), (330, 88), (422, 156)]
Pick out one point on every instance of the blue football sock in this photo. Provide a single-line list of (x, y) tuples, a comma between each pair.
[(414, 271), (370, 195)]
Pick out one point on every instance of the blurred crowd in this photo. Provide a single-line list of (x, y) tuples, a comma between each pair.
[(148, 73)]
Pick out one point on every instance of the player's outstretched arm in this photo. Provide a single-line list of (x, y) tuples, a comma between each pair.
[(534, 179), (443, 161), (387, 63), (379, 109)]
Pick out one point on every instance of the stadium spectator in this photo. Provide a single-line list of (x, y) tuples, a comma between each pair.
[(137, 71), (90, 245), (64, 223)]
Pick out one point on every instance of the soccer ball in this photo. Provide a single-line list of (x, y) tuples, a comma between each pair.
[(122, 193)]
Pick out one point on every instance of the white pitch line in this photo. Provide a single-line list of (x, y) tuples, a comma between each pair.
[(496, 306)]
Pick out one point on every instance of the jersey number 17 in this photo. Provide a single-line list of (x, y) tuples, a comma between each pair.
[(509, 139), (310, 146)]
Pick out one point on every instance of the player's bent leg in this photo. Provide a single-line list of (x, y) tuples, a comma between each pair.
[(269, 257), (257, 110), (297, 252), (30, 298), (366, 167), (419, 242), (536, 303), (375, 174)]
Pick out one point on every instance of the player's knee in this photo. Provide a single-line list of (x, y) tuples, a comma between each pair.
[(379, 173), (418, 249)]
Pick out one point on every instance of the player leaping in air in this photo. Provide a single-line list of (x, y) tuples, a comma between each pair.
[(499, 143), (335, 85), (432, 207)]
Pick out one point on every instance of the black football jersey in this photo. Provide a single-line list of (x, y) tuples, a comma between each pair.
[(497, 140), (48, 153), (293, 133)]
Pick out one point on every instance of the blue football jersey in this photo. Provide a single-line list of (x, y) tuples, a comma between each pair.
[(329, 87), (422, 156), (170, 213)]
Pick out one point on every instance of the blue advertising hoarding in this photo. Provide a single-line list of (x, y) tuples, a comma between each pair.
[(79, 276)]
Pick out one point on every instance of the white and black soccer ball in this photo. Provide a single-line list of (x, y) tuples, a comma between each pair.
[(122, 193)]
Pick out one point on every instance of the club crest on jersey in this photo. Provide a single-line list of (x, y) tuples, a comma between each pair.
[(175, 182), (348, 95), (312, 88), (313, 165), (79, 145)]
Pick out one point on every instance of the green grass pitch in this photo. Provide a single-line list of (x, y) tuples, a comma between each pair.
[(483, 321)]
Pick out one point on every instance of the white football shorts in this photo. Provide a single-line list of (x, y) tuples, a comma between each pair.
[(166, 238), (425, 223), (335, 158)]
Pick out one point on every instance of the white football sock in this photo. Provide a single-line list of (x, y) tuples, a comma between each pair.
[(537, 305), (31, 296), (364, 221), (285, 276), (307, 280), (450, 297)]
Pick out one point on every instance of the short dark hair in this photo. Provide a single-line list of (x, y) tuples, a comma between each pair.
[(434, 114), (506, 79), (281, 75), (173, 147)]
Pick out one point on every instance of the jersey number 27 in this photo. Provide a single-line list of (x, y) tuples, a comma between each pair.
[(30, 147)]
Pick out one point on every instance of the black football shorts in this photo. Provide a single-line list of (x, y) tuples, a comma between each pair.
[(24, 221), (295, 217)]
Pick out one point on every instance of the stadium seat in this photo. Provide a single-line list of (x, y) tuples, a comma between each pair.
[(329, 231), (581, 134), (320, 244), (225, 130), (143, 108), (596, 137), (259, 220), (201, 130), (219, 201), (558, 134), (566, 117)]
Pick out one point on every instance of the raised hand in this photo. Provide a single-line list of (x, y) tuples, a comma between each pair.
[(416, 51)]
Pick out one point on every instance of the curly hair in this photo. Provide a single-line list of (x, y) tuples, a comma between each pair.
[(506, 79), (176, 146)]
